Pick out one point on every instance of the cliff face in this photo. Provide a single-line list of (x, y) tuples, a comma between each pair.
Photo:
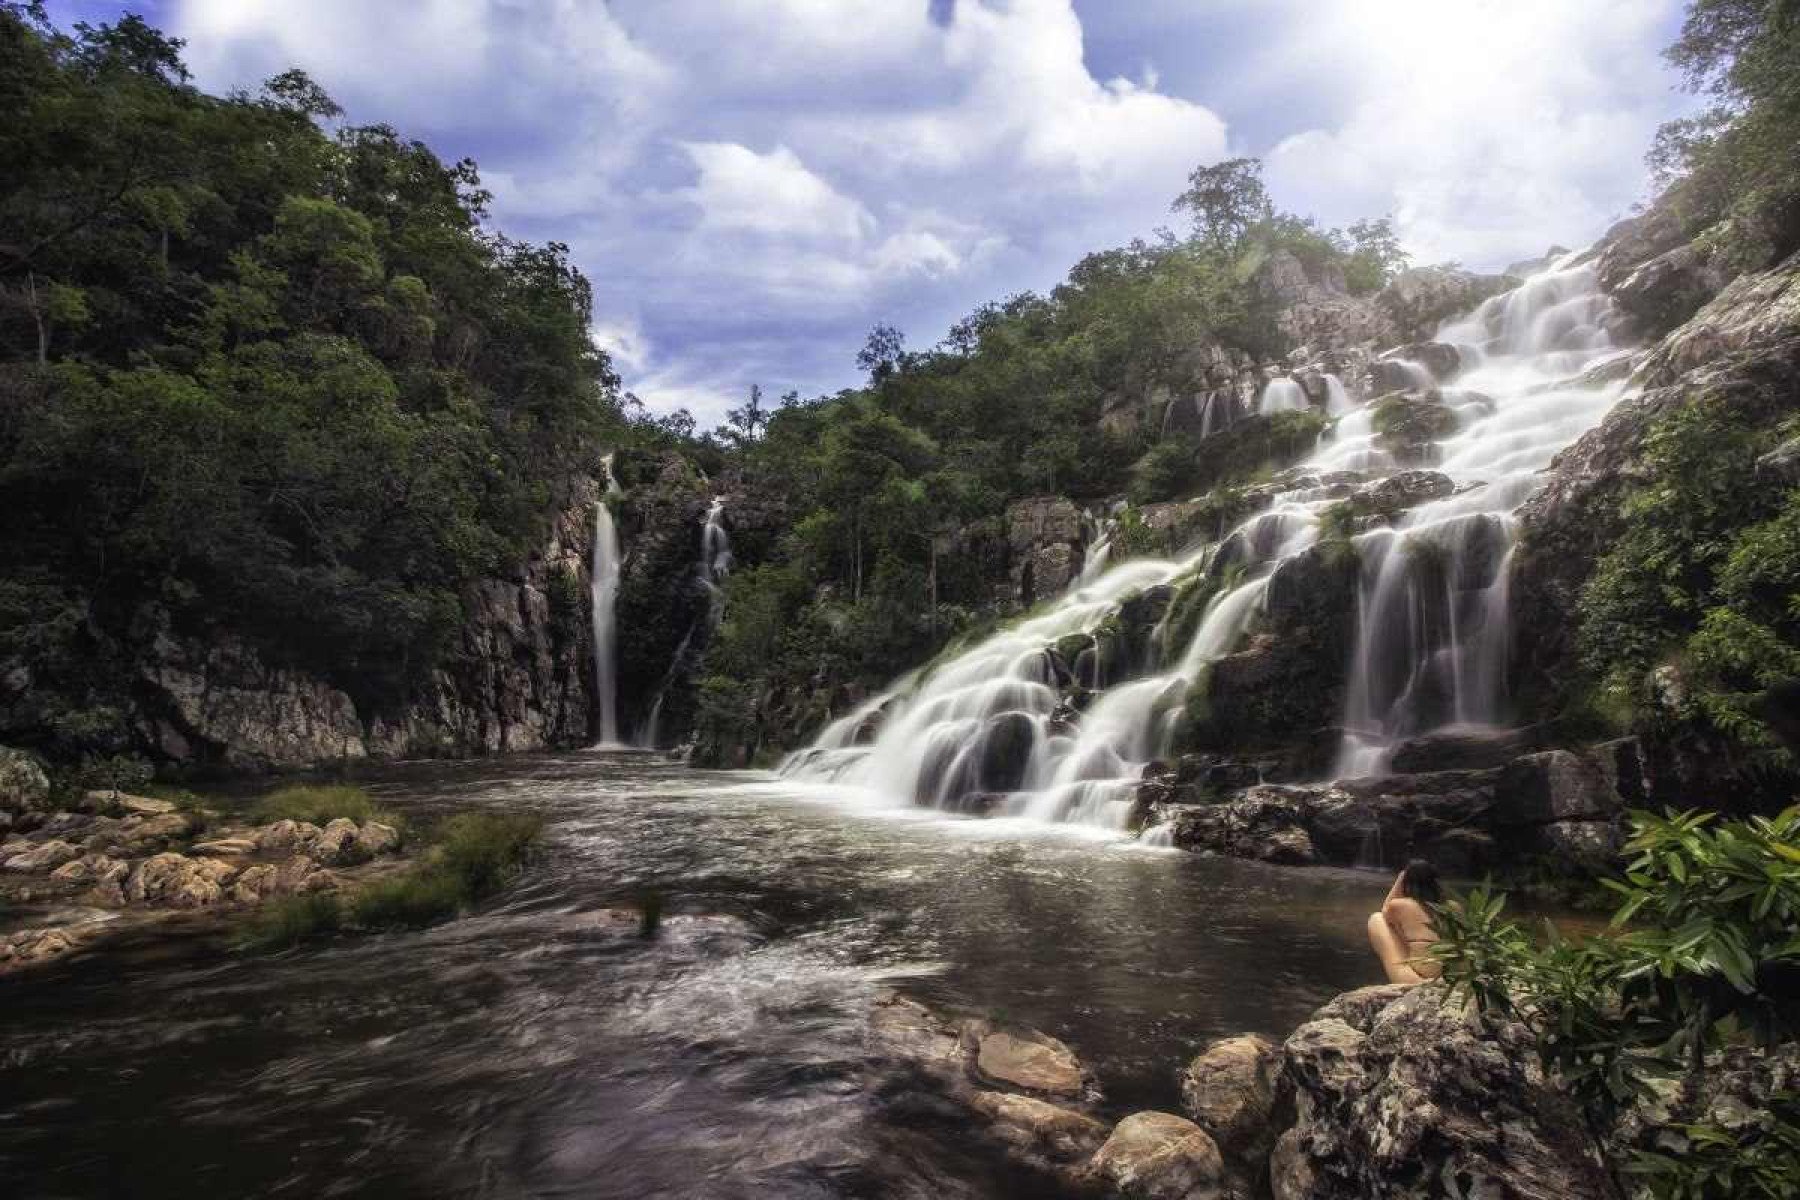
[(518, 678)]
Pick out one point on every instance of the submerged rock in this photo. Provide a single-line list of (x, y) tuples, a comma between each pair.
[(1038, 1130)]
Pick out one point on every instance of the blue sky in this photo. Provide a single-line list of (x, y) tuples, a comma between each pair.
[(752, 184)]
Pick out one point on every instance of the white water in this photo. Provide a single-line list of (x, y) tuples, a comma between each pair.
[(1433, 633), (603, 583), (714, 564)]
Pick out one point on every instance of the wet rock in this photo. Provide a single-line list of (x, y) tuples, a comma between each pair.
[(1036, 1130), (1440, 358), (1404, 490), (23, 784), (177, 881), (1006, 751), (1034, 1061), (1266, 822), (1667, 290), (1159, 1156), (25, 947), (1429, 1093), (43, 858), (1409, 424), (1461, 748)]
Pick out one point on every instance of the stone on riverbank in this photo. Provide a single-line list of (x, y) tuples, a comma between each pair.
[(1232, 1091), (42, 858), (1033, 1061), (1158, 1156)]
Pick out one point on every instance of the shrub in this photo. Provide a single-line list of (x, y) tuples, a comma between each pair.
[(318, 804), (290, 920), (475, 855), (1710, 964)]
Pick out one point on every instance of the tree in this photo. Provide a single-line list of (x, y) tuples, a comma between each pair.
[(1225, 200), (747, 422), (1375, 255), (883, 354)]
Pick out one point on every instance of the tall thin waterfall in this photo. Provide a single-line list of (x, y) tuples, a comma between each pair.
[(713, 565), (603, 582), (1002, 728)]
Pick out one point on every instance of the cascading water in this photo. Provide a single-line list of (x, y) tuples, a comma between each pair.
[(1434, 632), (1013, 726), (603, 583), (1282, 395), (714, 564)]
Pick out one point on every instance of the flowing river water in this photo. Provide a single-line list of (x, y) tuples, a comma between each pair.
[(530, 1049)]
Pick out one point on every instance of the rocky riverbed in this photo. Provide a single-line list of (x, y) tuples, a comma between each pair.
[(75, 871)]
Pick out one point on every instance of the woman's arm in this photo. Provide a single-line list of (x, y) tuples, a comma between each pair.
[(1395, 892)]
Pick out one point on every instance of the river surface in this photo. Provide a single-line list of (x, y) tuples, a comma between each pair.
[(526, 1050)]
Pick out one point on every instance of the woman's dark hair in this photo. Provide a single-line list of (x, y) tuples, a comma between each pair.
[(1422, 882)]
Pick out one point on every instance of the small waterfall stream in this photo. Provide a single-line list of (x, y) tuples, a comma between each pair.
[(603, 583), (989, 728), (714, 564)]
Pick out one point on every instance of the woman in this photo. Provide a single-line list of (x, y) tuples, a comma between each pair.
[(1401, 932)]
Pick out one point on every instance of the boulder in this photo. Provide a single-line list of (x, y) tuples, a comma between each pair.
[(256, 884), (23, 784), (1006, 751), (177, 881), (1408, 425), (336, 843), (905, 1032), (285, 837), (42, 858), (1159, 1156), (1418, 300), (1425, 1093), (373, 839), (1230, 1090), (1035, 1062)]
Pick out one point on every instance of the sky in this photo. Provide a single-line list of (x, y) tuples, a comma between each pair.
[(752, 185)]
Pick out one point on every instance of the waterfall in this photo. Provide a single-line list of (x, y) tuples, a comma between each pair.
[(604, 585), (1282, 395), (713, 565), (1054, 719), (1100, 529)]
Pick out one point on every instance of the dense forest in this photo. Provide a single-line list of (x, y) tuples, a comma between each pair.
[(256, 377)]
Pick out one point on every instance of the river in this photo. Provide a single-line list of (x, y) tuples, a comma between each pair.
[(528, 1050)]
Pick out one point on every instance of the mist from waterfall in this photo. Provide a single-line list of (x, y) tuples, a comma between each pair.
[(603, 583), (709, 572), (987, 728)]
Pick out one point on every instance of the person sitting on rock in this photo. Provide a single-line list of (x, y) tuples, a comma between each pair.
[(1402, 933)]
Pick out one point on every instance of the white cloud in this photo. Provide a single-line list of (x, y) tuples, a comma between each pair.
[(770, 194), (1488, 130), (751, 185)]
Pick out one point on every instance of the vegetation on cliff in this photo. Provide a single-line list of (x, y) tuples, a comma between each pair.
[(255, 377)]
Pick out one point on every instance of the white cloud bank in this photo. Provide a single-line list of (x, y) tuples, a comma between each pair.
[(752, 184)]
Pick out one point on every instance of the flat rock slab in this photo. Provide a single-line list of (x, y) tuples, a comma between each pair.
[(1038, 1064), (230, 847)]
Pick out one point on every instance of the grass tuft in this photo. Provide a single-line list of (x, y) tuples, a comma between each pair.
[(319, 804)]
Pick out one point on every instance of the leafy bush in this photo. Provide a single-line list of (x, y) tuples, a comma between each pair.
[(1705, 574), (1708, 960)]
